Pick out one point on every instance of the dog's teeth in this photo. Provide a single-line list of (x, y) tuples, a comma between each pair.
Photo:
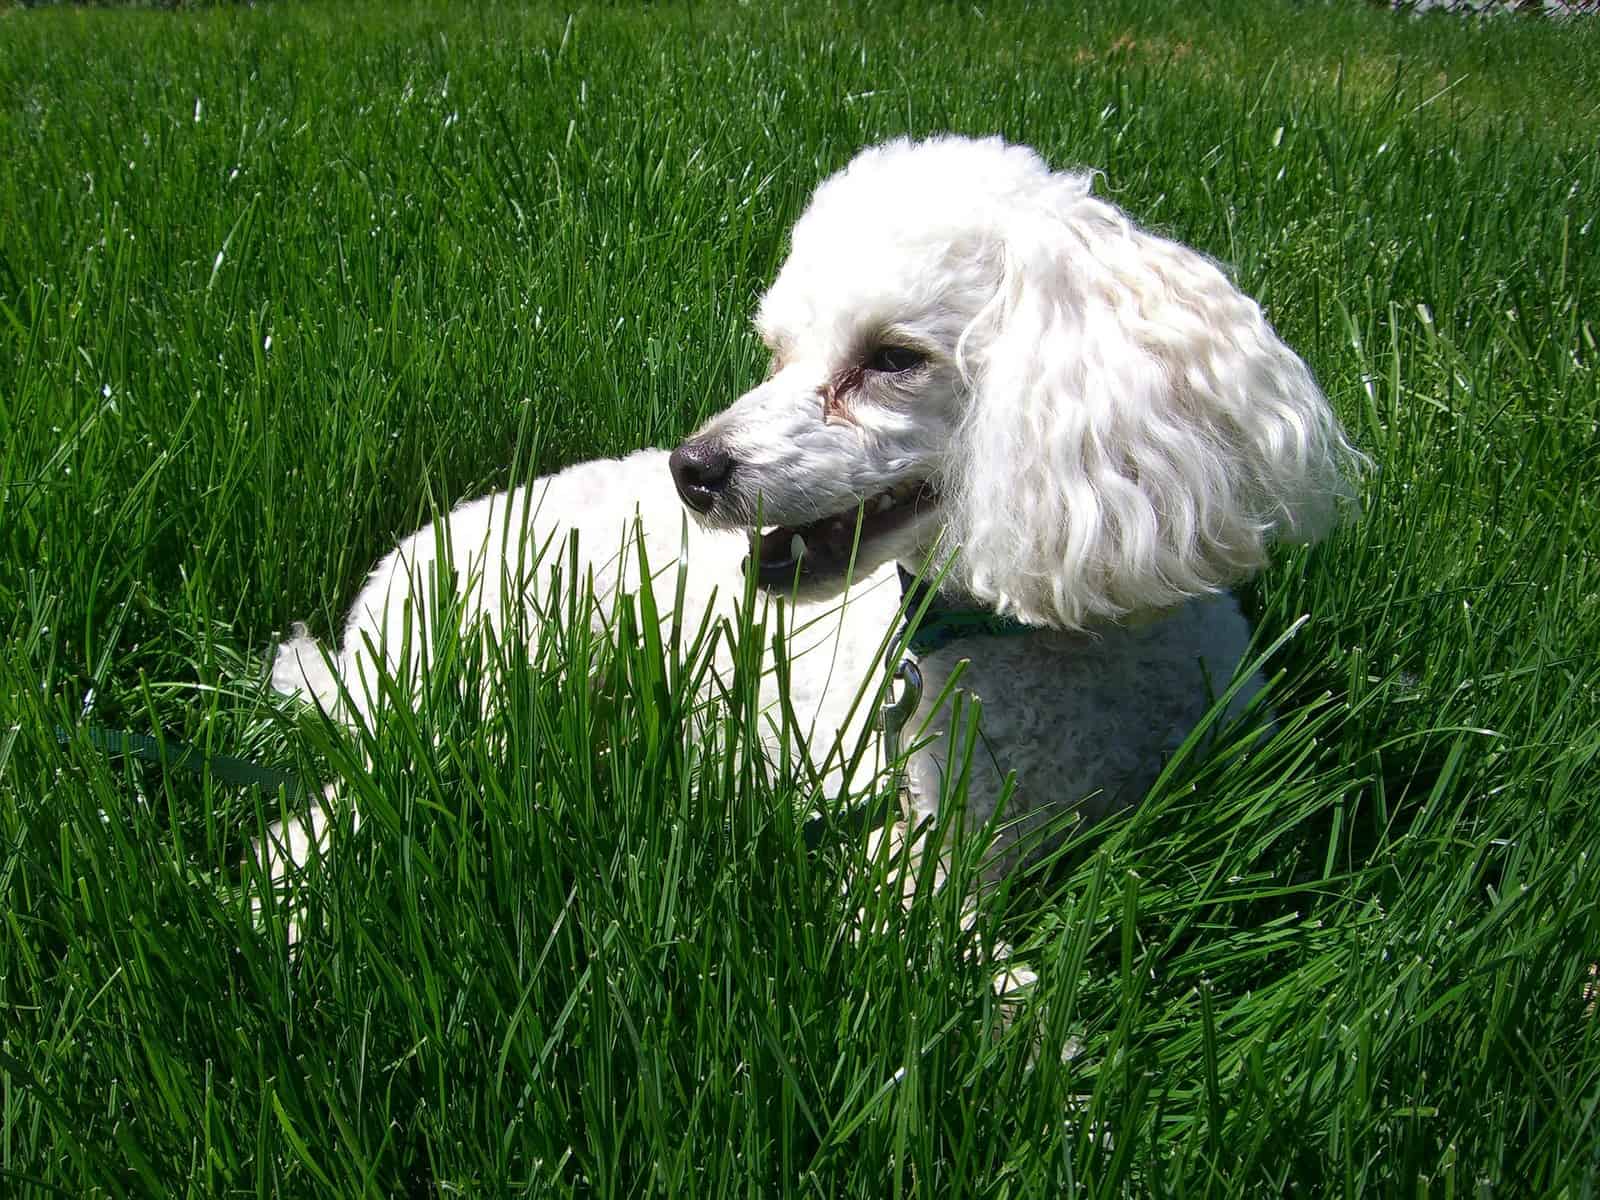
[(797, 546)]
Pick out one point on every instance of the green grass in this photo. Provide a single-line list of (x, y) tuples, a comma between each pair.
[(575, 945)]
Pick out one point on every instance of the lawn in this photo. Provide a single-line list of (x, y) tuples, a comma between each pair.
[(277, 282)]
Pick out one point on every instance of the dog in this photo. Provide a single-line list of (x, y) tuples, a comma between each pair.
[(1082, 430), (993, 399)]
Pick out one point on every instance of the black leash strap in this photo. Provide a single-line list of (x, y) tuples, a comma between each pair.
[(225, 767)]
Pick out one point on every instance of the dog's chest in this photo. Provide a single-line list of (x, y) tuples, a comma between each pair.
[(1082, 720)]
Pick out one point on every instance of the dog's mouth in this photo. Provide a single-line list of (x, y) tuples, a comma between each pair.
[(826, 548)]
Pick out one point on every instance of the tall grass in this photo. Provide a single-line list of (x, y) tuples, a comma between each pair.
[(276, 283)]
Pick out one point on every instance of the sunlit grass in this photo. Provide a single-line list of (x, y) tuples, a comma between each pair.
[(278, 282)]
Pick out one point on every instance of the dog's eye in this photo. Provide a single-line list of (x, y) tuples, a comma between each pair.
[(892, 360)]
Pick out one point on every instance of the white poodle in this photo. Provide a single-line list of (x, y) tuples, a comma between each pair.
[(983, 373)]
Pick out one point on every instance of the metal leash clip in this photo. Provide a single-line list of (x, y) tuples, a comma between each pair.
[(895, 715)]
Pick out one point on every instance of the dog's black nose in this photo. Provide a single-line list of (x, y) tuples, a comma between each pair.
[(701, 469)]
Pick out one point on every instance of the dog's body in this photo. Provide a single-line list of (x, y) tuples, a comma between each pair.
[(980, 371), (501, 550), (1085, 721)]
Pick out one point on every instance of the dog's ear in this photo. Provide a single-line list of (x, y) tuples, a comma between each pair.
[(1138, 433)]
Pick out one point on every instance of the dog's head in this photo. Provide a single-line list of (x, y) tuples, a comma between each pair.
[(971, 352)]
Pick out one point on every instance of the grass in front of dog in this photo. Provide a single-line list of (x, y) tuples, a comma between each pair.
[(276, 283)]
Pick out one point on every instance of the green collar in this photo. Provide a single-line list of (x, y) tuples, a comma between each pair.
[(941, 624)]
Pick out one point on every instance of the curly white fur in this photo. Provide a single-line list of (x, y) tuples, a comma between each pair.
[(977, 362), (1113, 428)]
